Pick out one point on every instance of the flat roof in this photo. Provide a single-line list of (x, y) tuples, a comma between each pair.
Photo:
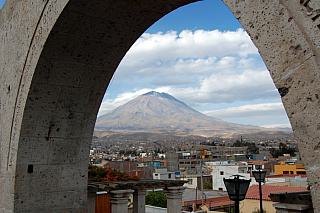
[(133, 184)]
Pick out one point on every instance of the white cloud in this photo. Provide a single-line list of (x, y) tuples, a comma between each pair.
[(270, 115), (191, 44), (247, 110), (164, 50), (285, 125), (200, 68), (229, 87)]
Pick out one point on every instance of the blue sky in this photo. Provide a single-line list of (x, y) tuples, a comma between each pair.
[(201, 55), (2, 3)]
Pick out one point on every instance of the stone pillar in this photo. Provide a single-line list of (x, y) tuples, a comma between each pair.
[(139, 201), (174, 199), (119, 200), (292, 208), (91, 202), (292, 202)]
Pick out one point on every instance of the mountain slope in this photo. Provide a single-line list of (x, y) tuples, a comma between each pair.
[(161, 112)]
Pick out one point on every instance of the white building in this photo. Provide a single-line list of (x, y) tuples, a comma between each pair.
[(192, 182), (225, 169), (163, 174), (143, 154)]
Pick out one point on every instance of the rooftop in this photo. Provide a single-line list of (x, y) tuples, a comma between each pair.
[(190, 194), (257, 162), (139, 184), (212, 202), (286, 176), (253, 191)]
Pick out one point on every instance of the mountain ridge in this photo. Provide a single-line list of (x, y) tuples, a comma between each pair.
[(162, 113)]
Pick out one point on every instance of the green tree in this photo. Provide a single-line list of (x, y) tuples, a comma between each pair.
[(252, 148), (207, 184), (96, 173), (157, 198), (283, 149)]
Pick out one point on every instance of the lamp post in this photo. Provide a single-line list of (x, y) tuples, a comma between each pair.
[(237, 189), (260, 176)]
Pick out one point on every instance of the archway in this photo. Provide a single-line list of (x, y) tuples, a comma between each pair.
[(51, 88)]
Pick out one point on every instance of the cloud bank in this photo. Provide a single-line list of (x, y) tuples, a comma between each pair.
[(199, 67)]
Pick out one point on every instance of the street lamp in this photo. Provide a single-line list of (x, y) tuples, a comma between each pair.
[(237, 189), (260, 176)]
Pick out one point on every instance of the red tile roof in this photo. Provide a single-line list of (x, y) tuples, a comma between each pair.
[(212, 202), (257, 162), (286, 175), (253, 191)]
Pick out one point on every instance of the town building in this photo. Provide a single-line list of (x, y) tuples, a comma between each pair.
[(289, 167), (195, 181), (164, 174), (225, 169), (252, 201)]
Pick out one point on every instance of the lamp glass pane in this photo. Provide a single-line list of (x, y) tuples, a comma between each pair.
[(230, 185), (243, 188), (259, 175), (236, 188)]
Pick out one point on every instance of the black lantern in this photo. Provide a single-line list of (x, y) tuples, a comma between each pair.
[(260, 176), (237, 188)]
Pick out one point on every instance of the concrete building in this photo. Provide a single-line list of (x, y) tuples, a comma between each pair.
[(225, 169), (194, 181), (287, 180), (163, 174), (225, 152), (291, 168), (173, 161)]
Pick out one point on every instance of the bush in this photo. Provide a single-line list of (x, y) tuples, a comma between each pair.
[(96, 173), (156, 198), (207, 185)]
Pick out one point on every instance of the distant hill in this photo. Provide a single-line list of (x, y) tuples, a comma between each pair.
[(155, 112)]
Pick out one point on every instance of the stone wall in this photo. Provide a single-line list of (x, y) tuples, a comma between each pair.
[(58, 56)]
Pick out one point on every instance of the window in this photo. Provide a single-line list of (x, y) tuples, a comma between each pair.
[(301, 172), (189, 181), (285, 172), (291, 172), (156, 174), (221, 173), (169, 175), (220, 189)]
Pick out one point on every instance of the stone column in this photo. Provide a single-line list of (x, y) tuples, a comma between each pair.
[(119, 200), (292, 202), (91, 202), (139, 201), (292, 208), (174, 199)]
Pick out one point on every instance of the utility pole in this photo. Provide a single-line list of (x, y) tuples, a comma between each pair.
[(201, 179), (260, 195), (195, 205)]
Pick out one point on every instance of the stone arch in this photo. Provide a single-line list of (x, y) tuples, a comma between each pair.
[(57, 58)]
